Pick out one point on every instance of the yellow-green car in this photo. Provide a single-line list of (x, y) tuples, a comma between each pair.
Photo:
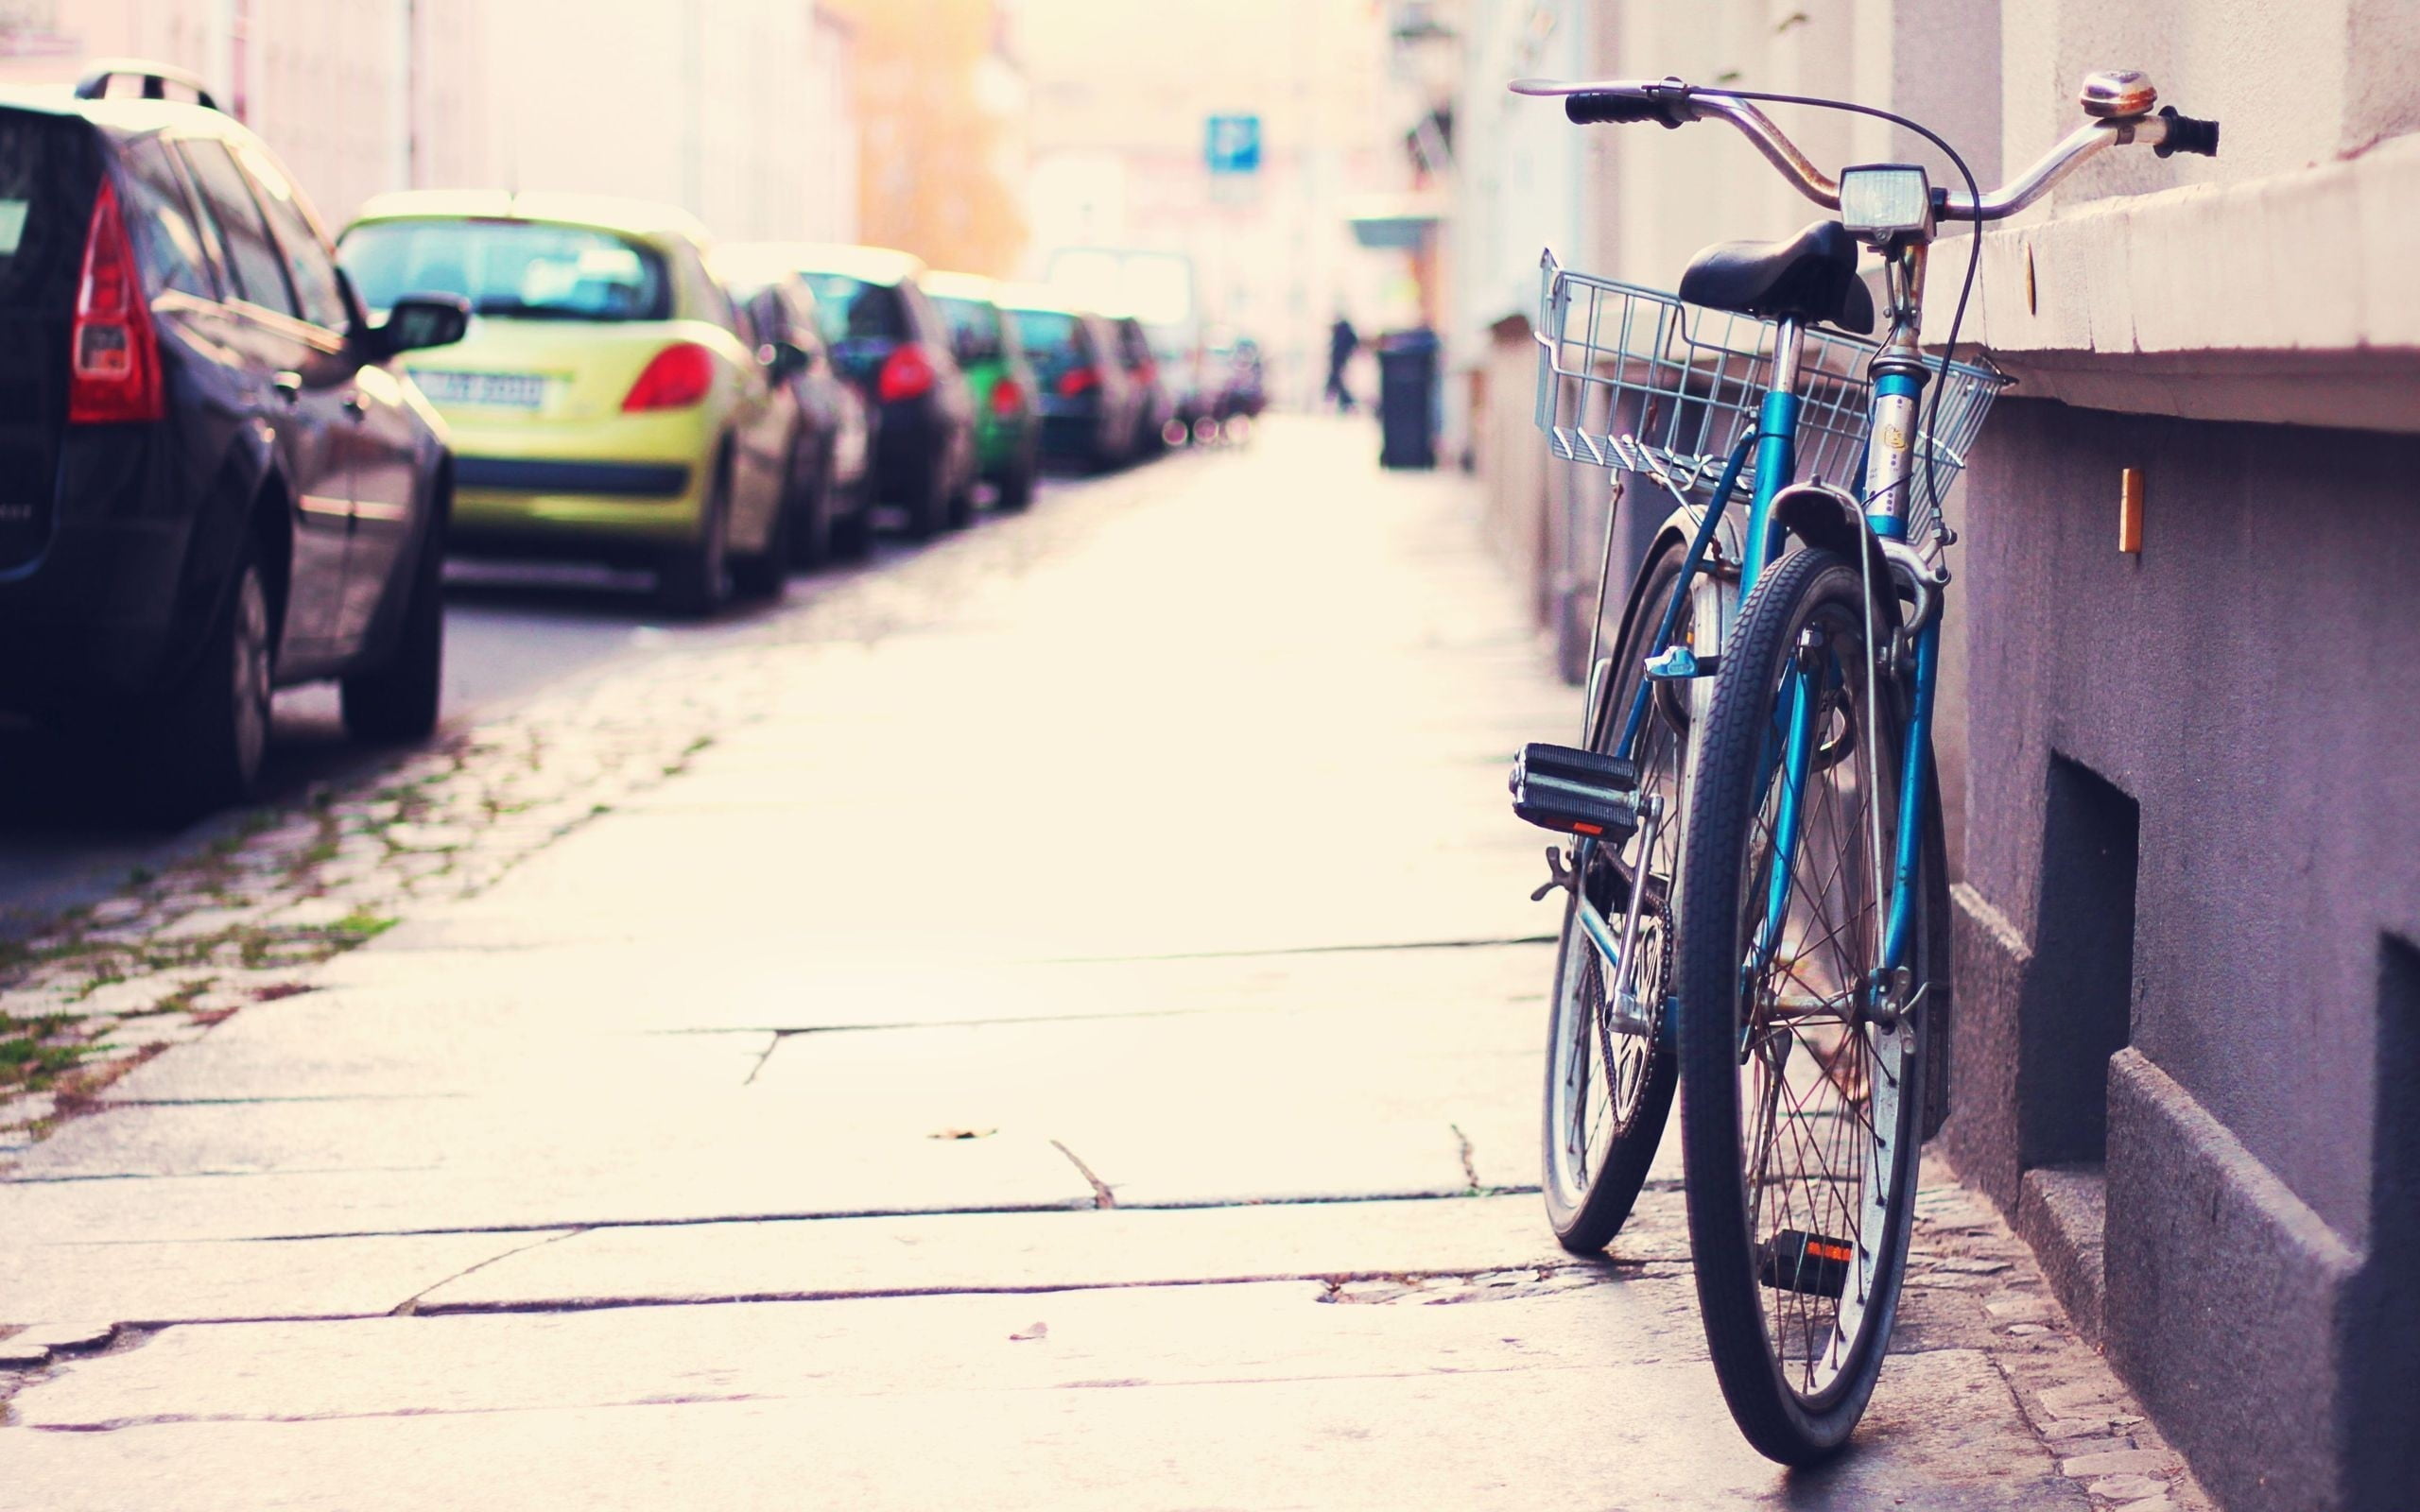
[(603, 405)]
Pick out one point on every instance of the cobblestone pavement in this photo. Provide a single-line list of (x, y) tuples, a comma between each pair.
[(1052, 1025)]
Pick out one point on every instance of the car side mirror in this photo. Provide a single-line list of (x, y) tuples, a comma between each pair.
[(785, 360), (421, 320)]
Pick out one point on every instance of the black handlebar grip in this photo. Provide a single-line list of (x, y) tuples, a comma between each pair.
[(1605, 107), (2186, 134)]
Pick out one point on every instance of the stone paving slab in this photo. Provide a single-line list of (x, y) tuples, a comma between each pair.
[(1041, 1251), (919, 1176), (647, 988), (1253, 1396), (171, 1282), (563, 1018)]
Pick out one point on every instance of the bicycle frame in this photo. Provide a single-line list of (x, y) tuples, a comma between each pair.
[(1896, 399)]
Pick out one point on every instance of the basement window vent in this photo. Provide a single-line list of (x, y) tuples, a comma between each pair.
[(2079, 1006)]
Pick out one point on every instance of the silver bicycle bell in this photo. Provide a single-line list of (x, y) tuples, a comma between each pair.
[(2118, 94)]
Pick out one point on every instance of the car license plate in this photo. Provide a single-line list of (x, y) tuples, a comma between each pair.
[(502, 391)]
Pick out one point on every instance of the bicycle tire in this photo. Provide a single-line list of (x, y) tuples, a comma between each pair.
[(1586, 1206), (1747, 1191)]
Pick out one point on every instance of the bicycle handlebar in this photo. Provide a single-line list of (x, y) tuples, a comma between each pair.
[(1671, 103)]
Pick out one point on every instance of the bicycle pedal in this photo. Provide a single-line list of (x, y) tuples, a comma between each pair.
[(1676, 664), (1794, 1262), (1575, 792)]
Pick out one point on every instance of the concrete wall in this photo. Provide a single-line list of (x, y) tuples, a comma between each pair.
[(2248, 681), (2187, 928), (729, 109), (356, 97)]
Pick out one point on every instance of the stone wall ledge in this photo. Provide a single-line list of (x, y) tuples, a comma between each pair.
[(2286, 298)]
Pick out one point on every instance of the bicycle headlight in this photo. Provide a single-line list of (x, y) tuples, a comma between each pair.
[(1883, 200)]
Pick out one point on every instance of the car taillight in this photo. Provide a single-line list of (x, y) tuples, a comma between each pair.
[(1007, 397), (1078, 380), (1146, 373), (680, 375), (906, 373), (113, 353)]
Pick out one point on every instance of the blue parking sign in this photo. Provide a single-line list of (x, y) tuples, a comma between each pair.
[(1233, 144)]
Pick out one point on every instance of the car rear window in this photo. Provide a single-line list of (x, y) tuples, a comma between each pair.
[(1049, 333), (972, 323), (852, 309), (45, 204), (523, 270)]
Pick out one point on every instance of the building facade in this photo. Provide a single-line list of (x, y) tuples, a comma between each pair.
[(357, 96), (740, 111), (1122, 97), (2185, 824)]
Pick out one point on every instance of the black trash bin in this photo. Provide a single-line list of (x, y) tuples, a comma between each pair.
[(1408, 399)]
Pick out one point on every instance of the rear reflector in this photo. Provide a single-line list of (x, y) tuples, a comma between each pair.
[(113, 353), (907, 375), (680, 375)]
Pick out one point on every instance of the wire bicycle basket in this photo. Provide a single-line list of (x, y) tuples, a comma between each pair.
[(1632, 378)]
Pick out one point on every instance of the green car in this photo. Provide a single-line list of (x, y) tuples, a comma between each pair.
[(1008, 424)]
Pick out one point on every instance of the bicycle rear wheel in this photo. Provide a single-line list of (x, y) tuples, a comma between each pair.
[(1802, 1108), (1609, 1092)]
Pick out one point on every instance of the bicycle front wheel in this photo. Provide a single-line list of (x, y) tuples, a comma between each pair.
[(1801, 1106), (1609, 1087)]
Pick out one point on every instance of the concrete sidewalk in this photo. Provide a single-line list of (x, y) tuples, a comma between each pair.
[(1060, 1049)]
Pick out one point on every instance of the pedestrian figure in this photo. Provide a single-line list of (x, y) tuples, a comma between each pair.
[(1342, 342)]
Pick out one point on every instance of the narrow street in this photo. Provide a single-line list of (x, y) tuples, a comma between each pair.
[(1054, 1021), (514, 629)]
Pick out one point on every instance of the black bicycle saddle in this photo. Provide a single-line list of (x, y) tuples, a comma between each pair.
[(1811, 277)]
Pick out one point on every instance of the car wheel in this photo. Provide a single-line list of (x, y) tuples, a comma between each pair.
[(852, 521), (695, 580), (962, 503), (927, 499), (203, 750), (768, 576), (1016, 485), (400, 701), (812, 526)]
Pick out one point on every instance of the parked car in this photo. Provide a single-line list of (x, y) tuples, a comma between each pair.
[(830, 460), (1246, 392), (217, 480), (887, 339), (1090, 407), (1142, 366), (604, 405), (1008, 428), (1195, 379)]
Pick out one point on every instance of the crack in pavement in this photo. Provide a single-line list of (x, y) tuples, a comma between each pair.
[(1470, 1167), (106, 1105), (1610, 1271), (409, 1306), (828, 1215), (1102, 1196), (772, 1043), (1486, 942)]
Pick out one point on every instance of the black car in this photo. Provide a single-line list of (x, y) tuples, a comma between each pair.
[(1092, 411), (886, 338), (214, 479), (1142, 366), (829, 482)]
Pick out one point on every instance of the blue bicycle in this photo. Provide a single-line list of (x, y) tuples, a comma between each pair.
[(1758, 905)]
